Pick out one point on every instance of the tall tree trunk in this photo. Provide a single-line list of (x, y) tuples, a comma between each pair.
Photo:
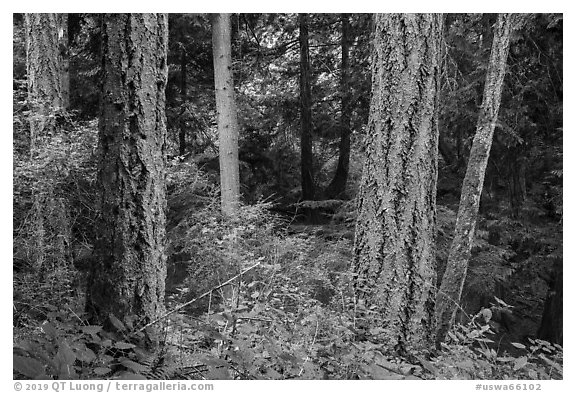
[(183, 95), (45, 72), (306, 165), (459, 256), (127, 277), (227, 116), (338, 185), (47, 76), (394, 246)]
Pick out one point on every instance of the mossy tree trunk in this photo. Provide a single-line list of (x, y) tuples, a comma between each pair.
[(459, 256), (337, 186), (227, 116), (128, 273), (394, 259)]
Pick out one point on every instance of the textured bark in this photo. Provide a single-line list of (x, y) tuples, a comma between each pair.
[(45, 72), (337, 187), (394, 242), (127, 277), (459, 256), (306, 165), (47, 79), (227, 116)]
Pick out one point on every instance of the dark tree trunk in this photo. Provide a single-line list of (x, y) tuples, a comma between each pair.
[(517, 184), (183, 95), (305, 113), (551, 325), (337, 187), (128, 274), (227, 116), (456, 268), (394, 244)]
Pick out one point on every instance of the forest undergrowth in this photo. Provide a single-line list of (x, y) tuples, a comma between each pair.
[(265, 297)]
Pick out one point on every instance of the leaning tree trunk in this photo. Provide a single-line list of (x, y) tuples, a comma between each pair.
[(337, 187), (394, 259), (127, 277), (227, 116), (306, 169), (455, 274)]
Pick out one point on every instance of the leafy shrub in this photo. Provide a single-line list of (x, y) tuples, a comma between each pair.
[(66, 349), (471, 354)]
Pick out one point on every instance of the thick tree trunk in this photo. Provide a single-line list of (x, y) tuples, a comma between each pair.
[(45, 73), (227, 116), (337, 187), (47, 77), (306, 167), (127, 277), (455, 274), (394, 244)]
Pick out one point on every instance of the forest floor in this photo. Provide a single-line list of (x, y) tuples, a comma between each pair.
[(286, 311)]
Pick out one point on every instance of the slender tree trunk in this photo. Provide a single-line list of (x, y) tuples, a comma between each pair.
[(394, 246), (183, 95), (459, 256), (64, 58), (306, 167), (227, 116), (337, 187), (127, 277)]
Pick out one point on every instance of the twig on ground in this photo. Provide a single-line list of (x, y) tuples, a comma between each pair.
[(195, 299)]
